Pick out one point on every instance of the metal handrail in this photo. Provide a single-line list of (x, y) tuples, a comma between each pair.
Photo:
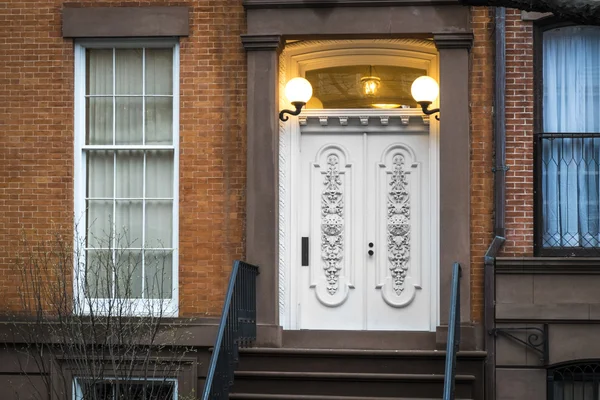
[(236, 329), (453, 335)]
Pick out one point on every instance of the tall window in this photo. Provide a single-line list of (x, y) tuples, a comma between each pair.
[(126, 149), (568, 142)]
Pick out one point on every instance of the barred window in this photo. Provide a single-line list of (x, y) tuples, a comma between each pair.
[(579, 381), (117, 389), (568, 142)]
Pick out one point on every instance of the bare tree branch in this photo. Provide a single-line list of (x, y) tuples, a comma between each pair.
[(578, 11), (123, 341)]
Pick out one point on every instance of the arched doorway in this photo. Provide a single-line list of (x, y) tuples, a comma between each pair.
[(358, 195)]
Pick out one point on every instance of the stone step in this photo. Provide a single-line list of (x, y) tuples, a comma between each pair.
[(361, 385), (262, 396), (356, 361)]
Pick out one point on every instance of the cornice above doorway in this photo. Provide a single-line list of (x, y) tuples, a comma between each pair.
[(343, 3)]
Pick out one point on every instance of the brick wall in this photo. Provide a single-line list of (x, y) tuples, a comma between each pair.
[(519, 136), (519, 142), (482, 147), (36, 144)]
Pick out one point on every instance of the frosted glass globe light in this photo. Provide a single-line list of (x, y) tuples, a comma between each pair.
[(298, 90), (425, 89)]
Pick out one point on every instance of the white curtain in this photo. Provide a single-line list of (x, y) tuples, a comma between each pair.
[(130, 192), (570, 173)]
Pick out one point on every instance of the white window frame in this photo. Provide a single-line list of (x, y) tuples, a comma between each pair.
[(78, 395), (138, 307)]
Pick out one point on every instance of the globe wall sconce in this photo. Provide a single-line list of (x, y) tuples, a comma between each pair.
[(298, 92), (425, 91)]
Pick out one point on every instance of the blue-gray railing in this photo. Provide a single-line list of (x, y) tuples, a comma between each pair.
[(237, 329), (453, 334)]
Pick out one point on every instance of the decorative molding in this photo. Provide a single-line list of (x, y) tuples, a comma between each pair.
[(323, 120), (548, 265), (398, 224), (302, 120), (254, 4), (364, 120), (405, 119), (426, 119), (343, 121), (284, 235), (262, 42), (319, 44), (445, 41), (332, 224), (385, 119)]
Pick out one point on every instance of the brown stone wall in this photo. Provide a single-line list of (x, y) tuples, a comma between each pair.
[(36, 142), (482, 148)]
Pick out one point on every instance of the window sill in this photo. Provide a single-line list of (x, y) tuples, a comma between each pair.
[(548, 265)]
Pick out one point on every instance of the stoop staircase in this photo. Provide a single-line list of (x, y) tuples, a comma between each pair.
[(329, 373), (311, 374)]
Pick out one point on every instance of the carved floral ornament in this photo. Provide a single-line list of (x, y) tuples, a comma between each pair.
[(332, 224), (398, 224)]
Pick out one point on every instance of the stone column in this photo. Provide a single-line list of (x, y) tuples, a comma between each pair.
[(262, 178), (455, 194)]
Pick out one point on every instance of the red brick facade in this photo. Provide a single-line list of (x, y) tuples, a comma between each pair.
[(482, 149), (519, 142), (36, 156), (519, 136)]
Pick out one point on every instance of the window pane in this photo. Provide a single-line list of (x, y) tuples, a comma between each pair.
[(99, 120), (128, 65), (571, 191), (129, 274), (99, 71), (570, 173), (341, 87), (129, 223), (130, 173), (100, 174), (99, 223), (129, 120), (159, 71), (159, 174), (159, 120), (160, 391), (572, 79), (159, 275), (159, 224), (98, 274)]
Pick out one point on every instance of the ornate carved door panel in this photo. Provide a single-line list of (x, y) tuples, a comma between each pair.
[(363, 196)]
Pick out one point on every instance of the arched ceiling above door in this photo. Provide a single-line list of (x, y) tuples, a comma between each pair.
[(338, 69)]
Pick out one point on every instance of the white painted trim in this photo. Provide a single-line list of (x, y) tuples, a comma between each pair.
[(167, 307), (295, 60)]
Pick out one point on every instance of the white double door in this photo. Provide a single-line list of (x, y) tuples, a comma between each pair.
[(364, 221)]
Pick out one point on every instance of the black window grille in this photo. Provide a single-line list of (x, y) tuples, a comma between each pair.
[(580, 381), (567, 141), (107, 389)]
